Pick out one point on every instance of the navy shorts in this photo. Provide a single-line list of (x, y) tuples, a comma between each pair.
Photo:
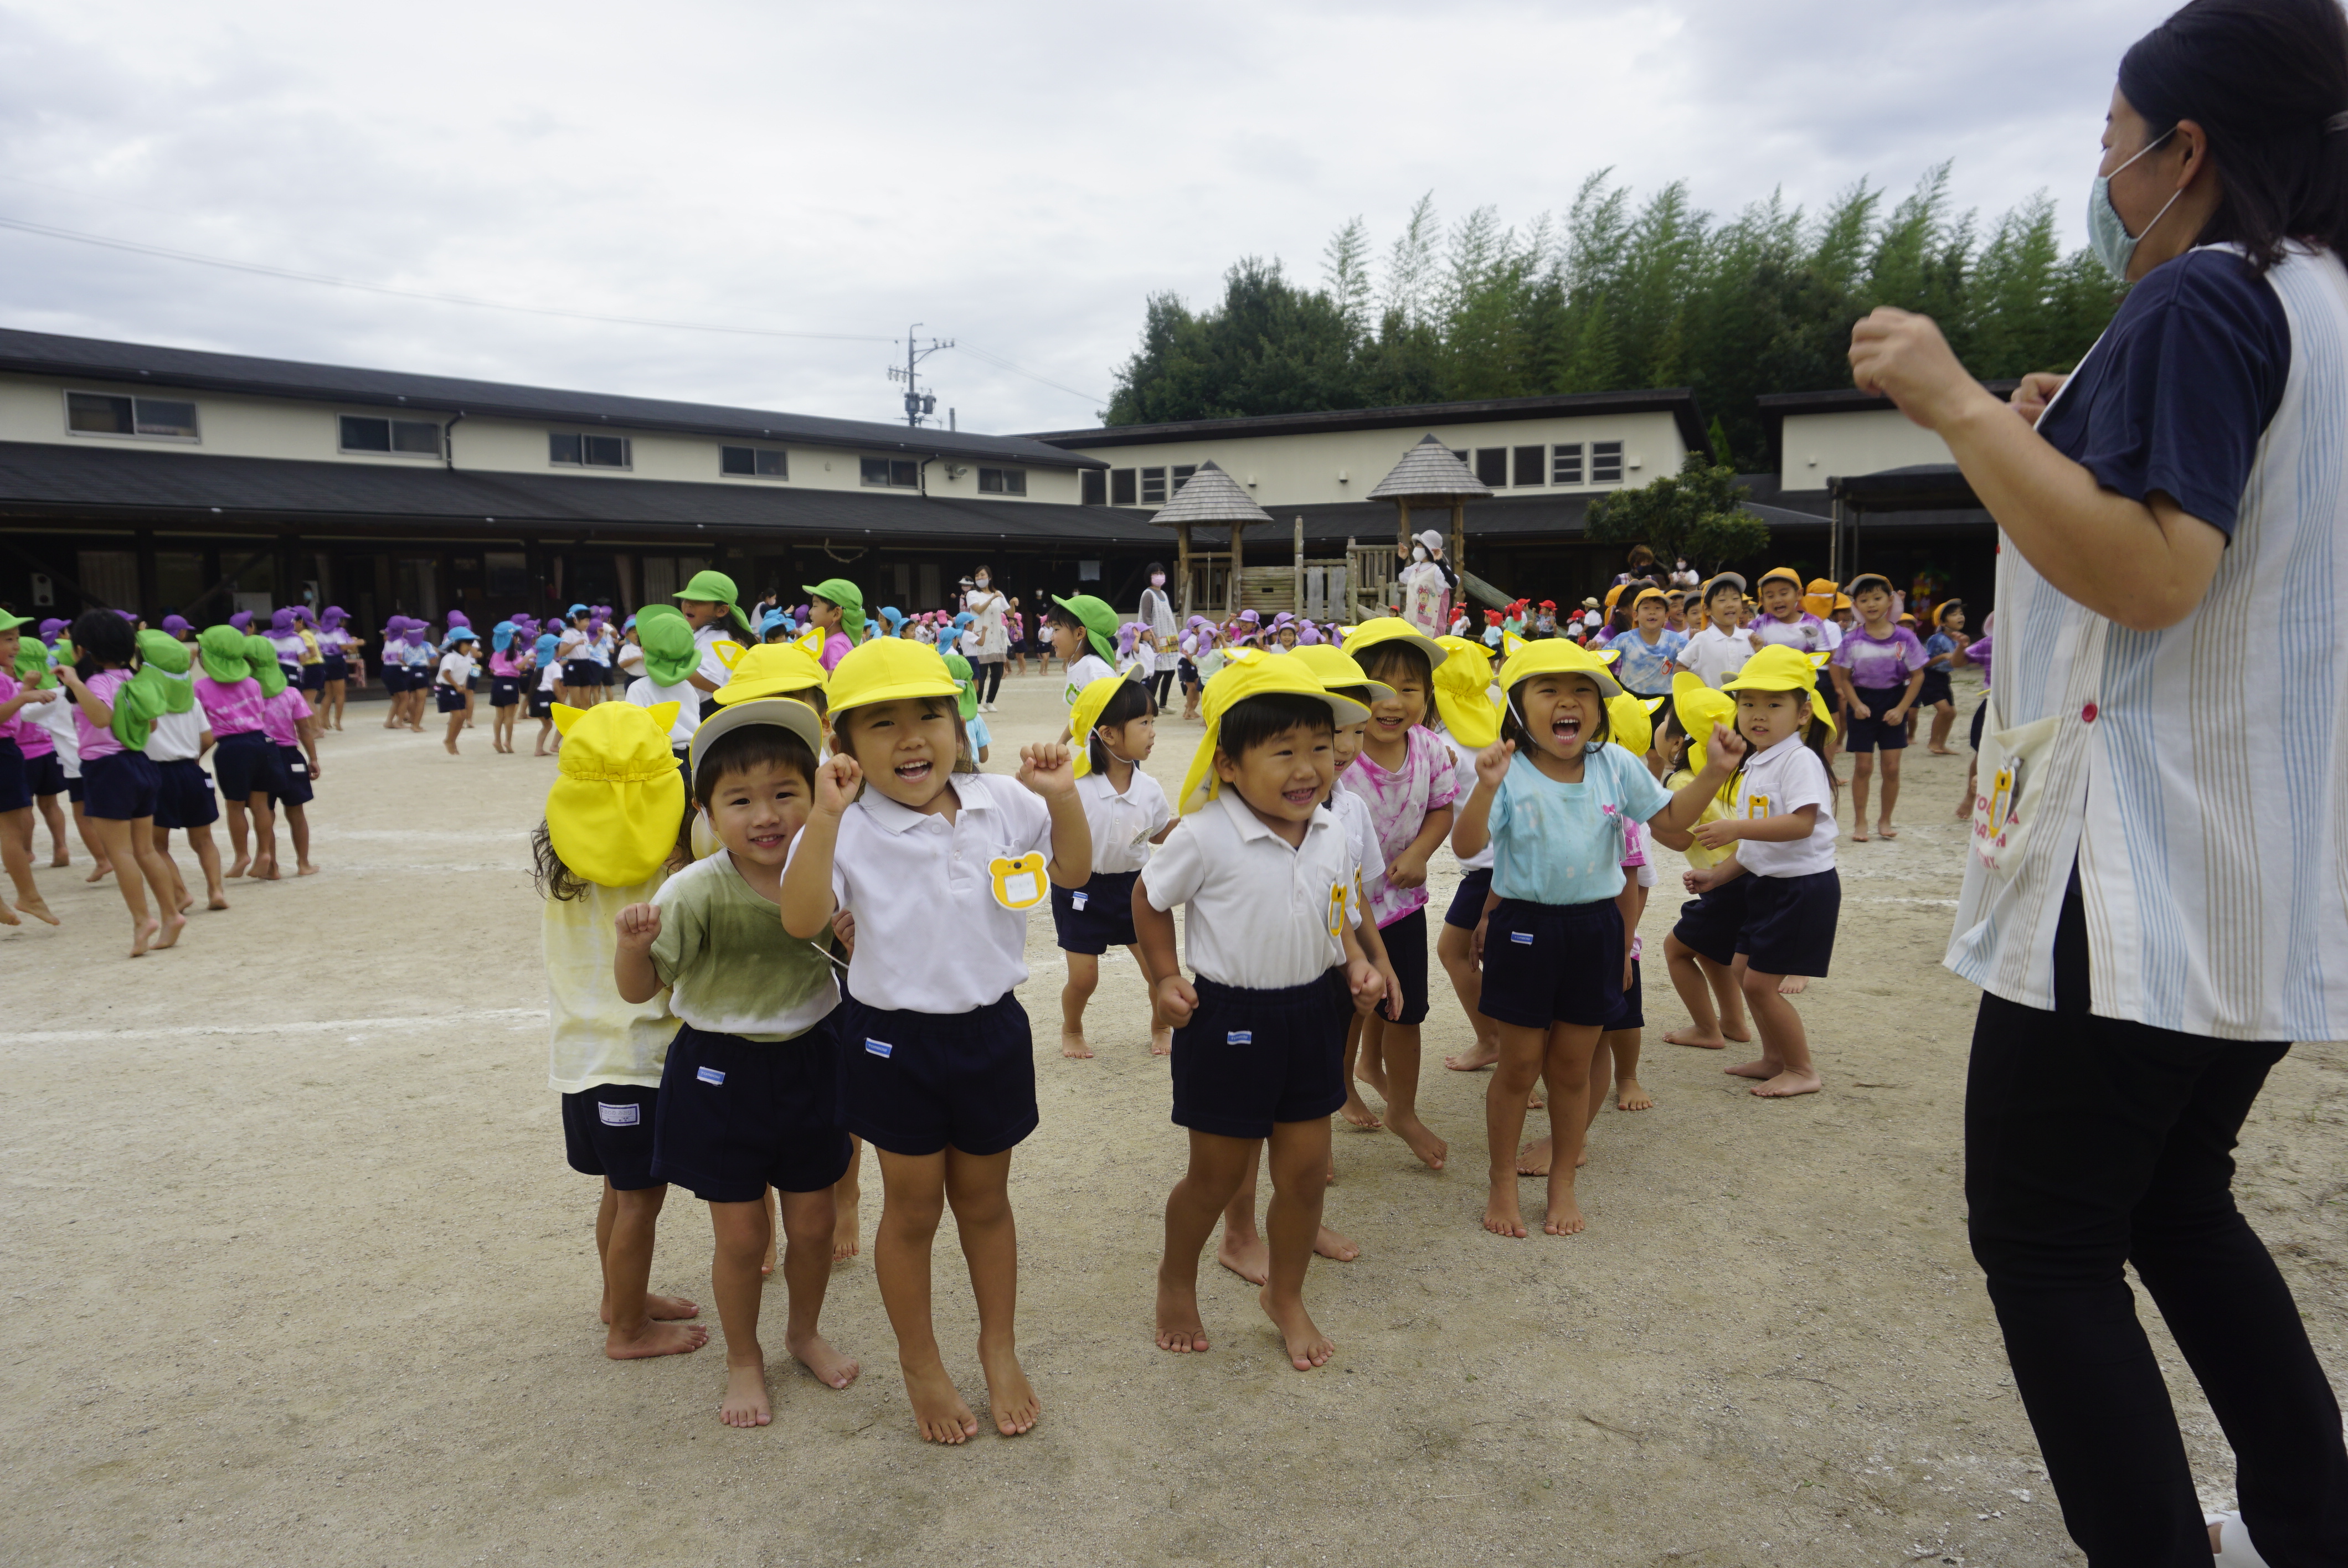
[(1553, 963), (119, 788), (1710, 923), (449, 699), (16, 793), (607, 1132), (737, 1116), (1789, 923), (1097, 917), (1635, 1010), (581, 673), (394, 680), (73, 789), (916, 1082), (293, 784), (314, 677), (1405, 942), (183, 797), (542, 703), (1248, 1059), (245, 764), (1866, 734), (505, 691), (337, 667), (46, 774), (1466, 910), (1936, 689), (1980, 714)]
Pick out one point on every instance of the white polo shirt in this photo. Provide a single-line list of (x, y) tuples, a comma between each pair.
[(1353, 814), (1088, 668), (1716, 655), (1778, 782), (1262, 915), (930, 935), (706, 638), (1123, 825), (645, 691)]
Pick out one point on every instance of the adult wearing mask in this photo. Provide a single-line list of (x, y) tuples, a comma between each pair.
[(1426, 586), (987, 606), (2161, 917), (1158, 618)]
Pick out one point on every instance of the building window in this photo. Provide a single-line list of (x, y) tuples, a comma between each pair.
[(408, 437), (1526, 463), (1094, 487), (1463, 455), (1182, 472), (587, 451), (1153, 486), (1492, 465), (1565, 465), (106, 414), (754, 463), (1002, 481), (902, 472), (1121, 486), (1606, 462)]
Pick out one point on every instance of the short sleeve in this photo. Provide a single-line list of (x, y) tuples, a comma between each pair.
[(1805, 783), (1495, 820), (1178, 868), (1912, 652), (679, 941), (1635, 789), (1026, 820), (1161, 811), (1443, 775), (2179, 392), (1841, 658)]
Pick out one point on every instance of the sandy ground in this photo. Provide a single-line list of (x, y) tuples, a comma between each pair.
[(299, 1275)]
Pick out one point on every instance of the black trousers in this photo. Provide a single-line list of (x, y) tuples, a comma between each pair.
[(1161, 686), (988, 682), (2091, 1144)]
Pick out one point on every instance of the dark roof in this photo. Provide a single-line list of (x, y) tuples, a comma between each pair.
[(168, 489), (1924, 488), (1679, 402), (95, 359)]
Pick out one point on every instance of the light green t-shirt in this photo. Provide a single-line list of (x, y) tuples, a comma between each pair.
[(959, 668), (593, 1036), (730, 966)]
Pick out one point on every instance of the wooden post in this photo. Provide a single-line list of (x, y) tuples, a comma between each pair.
[(1238, 531), (1182, 566), (1460, 538), (1402, 531), (1297, 581)]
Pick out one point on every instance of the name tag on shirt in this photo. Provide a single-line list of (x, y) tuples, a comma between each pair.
[(1240, 1037), (709, 1075), (880, 1048), (1757, 805), (624, 1115)]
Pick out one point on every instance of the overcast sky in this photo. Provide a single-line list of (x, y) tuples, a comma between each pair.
[(1017, 175)]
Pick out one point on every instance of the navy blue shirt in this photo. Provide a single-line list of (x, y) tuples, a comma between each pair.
[(2177, 393)]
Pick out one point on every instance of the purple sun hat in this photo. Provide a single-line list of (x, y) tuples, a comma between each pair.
[(242, 621), (281, 622), (335, 616), (175, 624), (50, 628)]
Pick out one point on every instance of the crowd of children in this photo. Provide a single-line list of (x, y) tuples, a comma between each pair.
[(787, 916)]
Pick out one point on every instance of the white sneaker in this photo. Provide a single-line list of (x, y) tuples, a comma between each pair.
[(2234, 1548)]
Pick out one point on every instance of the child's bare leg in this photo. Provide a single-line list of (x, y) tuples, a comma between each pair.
[(1370, 1060), (297, 824), (116, 837), (1784, 1068), (54, 814), (199, 839), (641, 1324), (979, 1188), (1890, 793), (1601, 1078), (1973, 782), (1630, 1093), (1456, 947), (15, 849), (773, 1234), (742, 1231), (808, 1222), (1083, 979), (1689, 978), (912, 1201), (1862, 771), (845, 1194), (94, 843), (1219, 1165), (1300, 1154), (457, 723), (1356, 1109), (1399, 1047), (1161, 1034), (264, 838), (238, 844), (1944, 716), (1243, 1250), (1568, 1048), (177, 887), (1513, 1076), (1728, 990)]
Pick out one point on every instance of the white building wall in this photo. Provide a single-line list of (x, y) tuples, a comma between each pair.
[(1816, 447)]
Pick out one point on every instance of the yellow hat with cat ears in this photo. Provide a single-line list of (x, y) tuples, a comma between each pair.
[(1252, 673), (1778, 668), (618, 795)]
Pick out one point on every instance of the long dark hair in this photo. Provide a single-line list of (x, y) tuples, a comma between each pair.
[(554, 880), (101, 638), (1130, 702), (2262, 78)]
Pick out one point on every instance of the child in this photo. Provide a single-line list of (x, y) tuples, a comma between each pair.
[(112, 715), (1115, 725), (15, 789), (45, 732), (1084, 634), (543, 691), (284, 721), (423, 654), (1471, 721), (176, 744), (1721, 648), (1785, 622), (243, 760), (1259, 1039), (1649, 650), (982, 740), (836, 605), (1781, 824), (1940, 649), (936, 1059), (747, 1097), (1404, 775), (505, 685), (453, 686), (581, 682), (341, 650), (600, 849), (1554, 800), (671, 659), (1706, 970), (1879, 668)]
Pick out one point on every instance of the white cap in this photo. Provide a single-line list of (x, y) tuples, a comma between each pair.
[(1431, 539)]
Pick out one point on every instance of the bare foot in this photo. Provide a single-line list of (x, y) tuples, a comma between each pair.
[(1357, 1110), (1429, 1148), (744, 1404), (1307, 1346), (1858, 834), (143, 935), (1532, 1160), (1474, 1059), (1564, 1216), (939, 1413), (99, 874), (1249, 1257), (171, 930), (655, 1340), (265, 870), (1501, 1215), (1787, 1084), (844, 1243), (9, 916), (1939, 752), (304, 868), (1072, 1046), (1179, 1327), (1334, 1248), (217, 901), (1793, 985), (238, 869), (831, 1369), (1965, 807), (1765, 1068), (1696, 1038), (1632, 1095), (1885, 830), (452, 752), (1161, 1042), (60, 859), (187, 904), (1010, 1399), (661, 1309)]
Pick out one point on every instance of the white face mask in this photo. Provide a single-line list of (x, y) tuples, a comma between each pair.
[(984, 581), (1158, 580), (1419, 552)]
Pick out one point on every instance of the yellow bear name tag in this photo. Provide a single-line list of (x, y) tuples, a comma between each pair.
[(1019, 883)]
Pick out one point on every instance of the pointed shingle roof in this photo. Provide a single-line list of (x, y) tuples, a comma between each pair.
[(1429, 472), (1211, 496)]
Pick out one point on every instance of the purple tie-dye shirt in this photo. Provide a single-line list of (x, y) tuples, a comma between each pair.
[(1399, 802)]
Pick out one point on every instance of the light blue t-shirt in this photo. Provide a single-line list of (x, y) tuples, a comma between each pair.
[(1562, 844), (1641, 668)]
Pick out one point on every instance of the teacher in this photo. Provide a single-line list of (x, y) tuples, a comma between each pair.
[(986, 604), (2158, 910)]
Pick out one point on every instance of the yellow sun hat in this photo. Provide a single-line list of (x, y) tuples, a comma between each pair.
[(1084, 712), (1784, 574), (1819, 598), (1778, 668), (1657, 594), (1463, 693), (887, 669), (1250, 672), (1630, 721), (1338, 669), (770, 670), (1392, 629), (1699, 708), (1556, 656), (618, 796)]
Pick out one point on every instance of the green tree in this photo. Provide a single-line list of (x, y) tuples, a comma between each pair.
[(1696, 515)]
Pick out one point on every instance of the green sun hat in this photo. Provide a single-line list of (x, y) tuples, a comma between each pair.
[(718, 587), (10, 622), (222, 648), (838, 591), (1100, 622), (169, 658), (666, 637), (263, 666)]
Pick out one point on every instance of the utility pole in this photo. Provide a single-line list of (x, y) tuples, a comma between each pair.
[(919, 405)]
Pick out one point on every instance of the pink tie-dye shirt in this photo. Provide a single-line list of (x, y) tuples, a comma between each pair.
[(1399, 802)]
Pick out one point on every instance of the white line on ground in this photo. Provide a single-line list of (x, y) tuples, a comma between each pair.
[(317, 1026)]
